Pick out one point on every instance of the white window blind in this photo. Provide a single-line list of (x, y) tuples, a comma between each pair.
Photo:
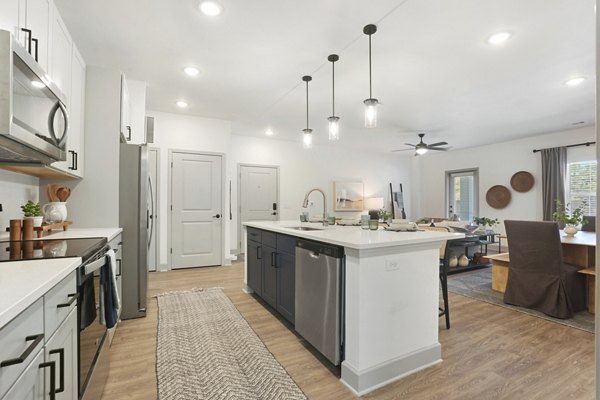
[(581, 186)]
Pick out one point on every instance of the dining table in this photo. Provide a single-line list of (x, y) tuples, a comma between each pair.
[(577, 250)]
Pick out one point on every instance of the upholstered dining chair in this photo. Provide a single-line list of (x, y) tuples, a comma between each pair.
[(591, 224), (443, 274), (538, 278)]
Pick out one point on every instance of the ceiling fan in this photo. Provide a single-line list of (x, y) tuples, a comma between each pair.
[(422, 148)]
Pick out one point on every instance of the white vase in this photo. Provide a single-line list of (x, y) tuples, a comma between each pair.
[(55, 211), (452, 261), (570, 230), (463, 261), (37, 221)]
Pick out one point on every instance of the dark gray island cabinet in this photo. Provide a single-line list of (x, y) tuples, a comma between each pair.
[(271, 269)]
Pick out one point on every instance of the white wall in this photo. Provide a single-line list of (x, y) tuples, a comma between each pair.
[(181, 132), (15, 190), (497, 163), (301, 170)]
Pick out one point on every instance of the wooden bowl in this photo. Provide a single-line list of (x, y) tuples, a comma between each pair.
[(522, 181), (498, 196)]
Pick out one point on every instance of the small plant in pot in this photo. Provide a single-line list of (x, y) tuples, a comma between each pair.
[(484, 222), (571, 219), (33, 211)]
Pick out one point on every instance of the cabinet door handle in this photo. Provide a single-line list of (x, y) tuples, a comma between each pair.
[(35, 41), (128, 132), (52, 366), (61, 365), (72, 166), (76, 160), (13, 361), (274, 259), (259, 253), (73, 298), (120, 268), (29, 38)]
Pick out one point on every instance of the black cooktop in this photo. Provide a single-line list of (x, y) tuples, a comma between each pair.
[(44, 249)]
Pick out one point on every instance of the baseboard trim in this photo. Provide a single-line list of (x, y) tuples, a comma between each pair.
[(365, 381)]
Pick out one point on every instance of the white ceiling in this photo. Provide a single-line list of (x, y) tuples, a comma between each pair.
[(432, 68)]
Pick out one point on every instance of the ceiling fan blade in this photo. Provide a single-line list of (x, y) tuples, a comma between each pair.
[(437, 144), (437, 148), (393, 151), (408, 144)]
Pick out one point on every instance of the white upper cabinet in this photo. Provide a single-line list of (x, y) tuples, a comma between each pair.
[(137, 111), (77, 110), (29, 22), (37, 19), (62, 47), (9, 16)]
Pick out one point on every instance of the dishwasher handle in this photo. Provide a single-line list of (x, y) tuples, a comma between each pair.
[(314, 255), (318, 249)]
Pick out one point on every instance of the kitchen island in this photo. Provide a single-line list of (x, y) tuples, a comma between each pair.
[(390, 302)]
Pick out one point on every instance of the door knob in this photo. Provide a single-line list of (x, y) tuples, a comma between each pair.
[(217, 216), (274, 213)]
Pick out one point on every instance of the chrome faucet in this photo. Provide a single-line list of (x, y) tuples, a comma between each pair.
[(305, 203)]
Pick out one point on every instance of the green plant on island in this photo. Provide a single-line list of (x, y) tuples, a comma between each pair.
[(565, 215), (384, 215), (31, 209), (484, 221)]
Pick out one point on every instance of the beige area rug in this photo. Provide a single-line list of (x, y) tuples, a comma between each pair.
[(207, 350)]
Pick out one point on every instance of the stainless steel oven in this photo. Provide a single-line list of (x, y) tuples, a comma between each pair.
[(33, 116)]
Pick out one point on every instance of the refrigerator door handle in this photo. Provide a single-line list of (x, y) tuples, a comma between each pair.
[(150, 220)]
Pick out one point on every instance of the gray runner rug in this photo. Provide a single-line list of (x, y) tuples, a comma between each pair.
[(207, 350), (478, 285)]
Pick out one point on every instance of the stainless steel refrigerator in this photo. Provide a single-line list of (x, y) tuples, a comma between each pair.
[(136, 218)]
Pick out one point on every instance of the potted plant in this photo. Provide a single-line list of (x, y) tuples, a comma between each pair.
[(484, 221), (572, 219), (384, 215), (33, 211)]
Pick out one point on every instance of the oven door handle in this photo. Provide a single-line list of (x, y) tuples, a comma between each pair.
[(72, 298), (95, 265)]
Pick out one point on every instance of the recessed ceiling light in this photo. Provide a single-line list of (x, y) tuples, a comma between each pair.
[(210, 8), (181, 104), (499, 37), (575, 81), (37, 84), (269, 132), (191, 71)]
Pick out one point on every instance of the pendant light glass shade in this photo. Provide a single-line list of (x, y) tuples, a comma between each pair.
[(370, 103), (334, 128), (334, 122), (371, 113), (307, 132), (307, 138)]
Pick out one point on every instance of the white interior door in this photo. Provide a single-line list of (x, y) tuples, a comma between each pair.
[(259, 192), (152, 205), (196, 214)]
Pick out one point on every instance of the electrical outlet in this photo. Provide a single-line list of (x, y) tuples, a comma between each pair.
[(392, 265)]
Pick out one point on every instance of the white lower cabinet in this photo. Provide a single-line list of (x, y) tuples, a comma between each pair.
[(30, 385), (62, 349), (32, 352)]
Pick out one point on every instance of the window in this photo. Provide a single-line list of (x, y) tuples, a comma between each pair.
[(581, 186), (462, 194)]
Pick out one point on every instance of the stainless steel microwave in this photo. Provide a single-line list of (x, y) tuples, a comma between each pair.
[(34, 122)]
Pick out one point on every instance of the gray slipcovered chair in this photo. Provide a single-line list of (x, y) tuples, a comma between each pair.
[(538, 278), (591, 225)]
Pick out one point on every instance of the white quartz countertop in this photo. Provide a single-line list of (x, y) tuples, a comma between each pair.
[(353, 236), (23, 282), (77, 233)]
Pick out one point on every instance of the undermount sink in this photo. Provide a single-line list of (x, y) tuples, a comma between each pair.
[(304, 228)]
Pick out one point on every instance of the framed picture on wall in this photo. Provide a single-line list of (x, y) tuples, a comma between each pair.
[(348, 196)]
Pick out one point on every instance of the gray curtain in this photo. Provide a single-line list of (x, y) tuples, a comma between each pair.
[(554, 174)]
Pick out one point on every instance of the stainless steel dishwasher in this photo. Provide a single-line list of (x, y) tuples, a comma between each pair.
[(319, 297)]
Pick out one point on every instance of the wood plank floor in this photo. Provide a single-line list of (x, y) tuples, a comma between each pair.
[(489, 353)]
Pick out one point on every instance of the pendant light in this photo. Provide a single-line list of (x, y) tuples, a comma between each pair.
[(307, 132), (334, 122), (370, 103)]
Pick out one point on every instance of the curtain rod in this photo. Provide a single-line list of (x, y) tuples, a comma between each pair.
[(571, 145)]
